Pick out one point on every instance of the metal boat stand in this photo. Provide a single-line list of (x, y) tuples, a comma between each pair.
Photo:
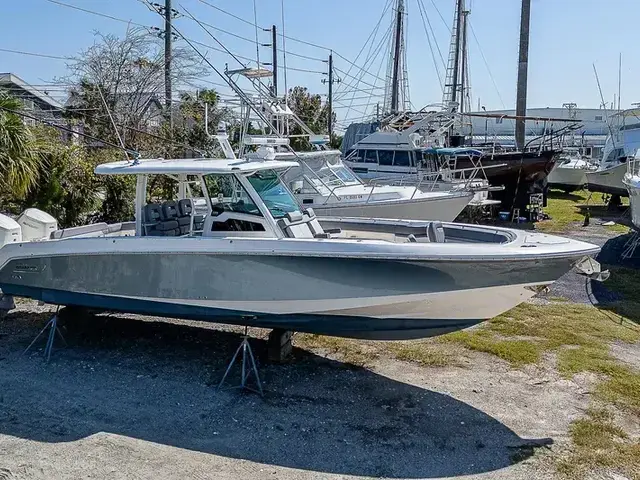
[(630, 247), (52, 324), (248, 364)]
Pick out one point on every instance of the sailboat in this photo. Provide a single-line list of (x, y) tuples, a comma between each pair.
[(521, 172)]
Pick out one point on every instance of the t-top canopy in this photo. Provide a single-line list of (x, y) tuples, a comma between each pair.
[(190, 166)]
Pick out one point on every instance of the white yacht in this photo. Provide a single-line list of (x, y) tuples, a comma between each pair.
[(324, 183), (570, 171), (632, 182), (619, 147), (255, 259)]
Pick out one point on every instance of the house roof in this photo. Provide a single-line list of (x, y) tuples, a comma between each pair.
[(12, 81)]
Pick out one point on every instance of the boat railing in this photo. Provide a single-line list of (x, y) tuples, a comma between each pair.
[(633, 165)]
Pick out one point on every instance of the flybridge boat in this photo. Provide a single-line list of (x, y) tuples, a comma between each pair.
[(324, 183), (234, 247)]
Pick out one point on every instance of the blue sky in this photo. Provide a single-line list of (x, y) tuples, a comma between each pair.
[(567, 37)]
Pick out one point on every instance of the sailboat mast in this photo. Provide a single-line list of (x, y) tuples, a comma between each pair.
[(395, 82), (523, 65), (463, 76), (456, 61)]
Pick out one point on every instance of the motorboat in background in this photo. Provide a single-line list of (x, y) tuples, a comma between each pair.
[(632, 181), (620, 146), (517, 174), (323, 182), (570, 171), (255, 259)]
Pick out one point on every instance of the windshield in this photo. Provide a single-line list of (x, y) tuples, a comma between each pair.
[(336, 176), (273, 193)]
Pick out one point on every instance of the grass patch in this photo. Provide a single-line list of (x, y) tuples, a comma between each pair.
[(599, 444), (618, 228), (423, 353), (516, 352), (362, 352), (557, 299), (626, 283), (521, 335), (563, 208)]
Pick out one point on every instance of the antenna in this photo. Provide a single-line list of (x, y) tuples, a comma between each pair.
[(606, 117), (619, 79)]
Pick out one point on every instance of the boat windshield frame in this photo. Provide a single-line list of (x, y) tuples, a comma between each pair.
[(264, 182)]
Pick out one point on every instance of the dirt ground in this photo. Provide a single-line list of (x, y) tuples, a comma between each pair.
[(135, 398)]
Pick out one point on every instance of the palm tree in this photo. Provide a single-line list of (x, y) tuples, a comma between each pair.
[(18, 158)]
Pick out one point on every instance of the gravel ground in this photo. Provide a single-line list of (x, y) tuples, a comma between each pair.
[(135, 398)]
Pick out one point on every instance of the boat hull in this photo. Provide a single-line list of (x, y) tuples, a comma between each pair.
[(633, 187), (523, 175), (347, 297), (567, 179), (444, 208), (608, 181)]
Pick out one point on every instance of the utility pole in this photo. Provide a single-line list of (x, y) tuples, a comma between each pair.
[(523, 65), (330, 99), (168, 37), (274, 62), (330, 80)]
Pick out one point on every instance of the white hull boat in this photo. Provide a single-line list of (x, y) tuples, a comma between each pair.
[(608, 179), (255, 259), (570, 172), (324, 183), (632, 182)]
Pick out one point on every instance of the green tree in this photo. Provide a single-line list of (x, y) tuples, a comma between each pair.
[(19, 165), (67, 187), (310, 109)]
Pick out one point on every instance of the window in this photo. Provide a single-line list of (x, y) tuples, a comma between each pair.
[(228, 195), (402, 159), (273, 193), (598, 118), (385, 157), (370, 156)]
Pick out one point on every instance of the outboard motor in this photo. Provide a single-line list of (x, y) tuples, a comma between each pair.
[(36, 224), (10, 231)]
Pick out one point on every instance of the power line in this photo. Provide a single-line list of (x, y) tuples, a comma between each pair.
[(32, 54), (92, 12), (230, 14), (486, 64)]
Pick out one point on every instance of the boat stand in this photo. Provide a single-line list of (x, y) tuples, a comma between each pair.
[(52, 325), (248, 364), (630, 247)]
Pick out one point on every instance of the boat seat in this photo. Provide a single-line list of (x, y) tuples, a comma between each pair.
[(161, 220), (295, 225), (316, 228), (185, 212), (435, 232)]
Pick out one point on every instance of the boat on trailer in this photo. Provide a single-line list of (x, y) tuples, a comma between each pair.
[(234, 247)]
